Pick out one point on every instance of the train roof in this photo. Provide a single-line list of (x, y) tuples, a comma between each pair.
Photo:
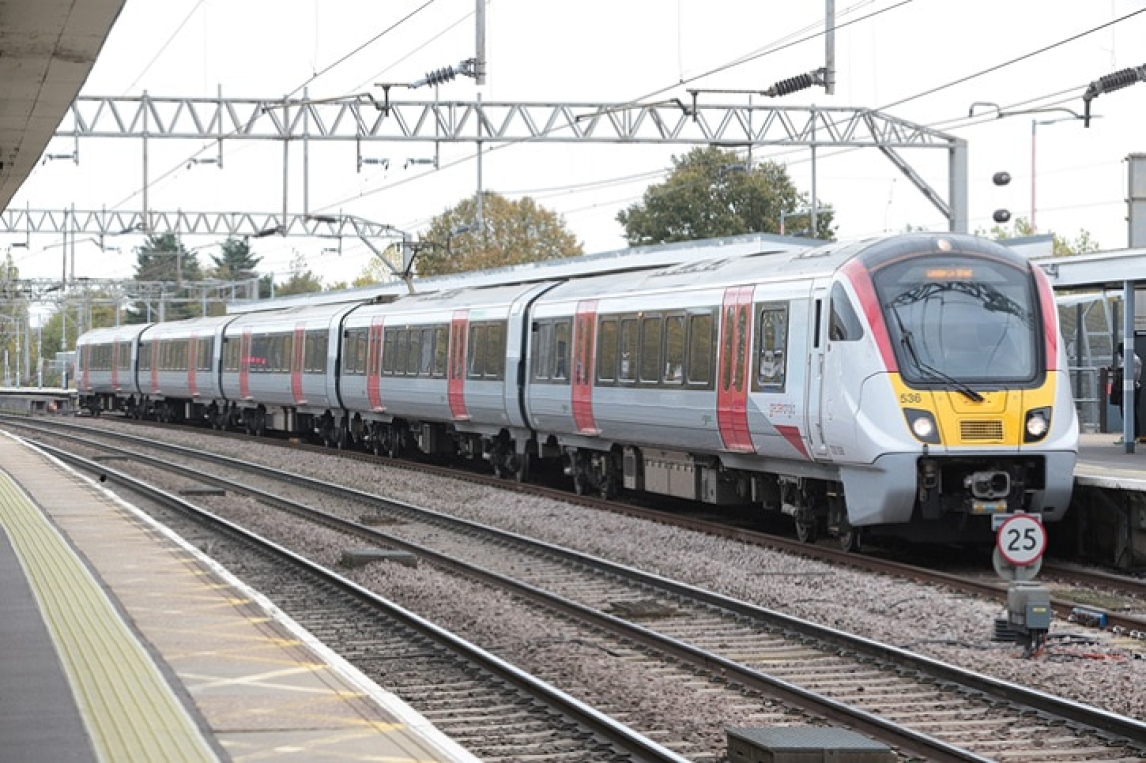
[(630, 259)]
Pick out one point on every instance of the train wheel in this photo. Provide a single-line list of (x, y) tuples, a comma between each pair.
[(806, 530), (850, 538)]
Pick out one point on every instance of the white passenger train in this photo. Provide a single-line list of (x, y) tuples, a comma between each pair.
[(911, 385)]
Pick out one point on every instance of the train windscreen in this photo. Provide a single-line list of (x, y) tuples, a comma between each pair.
[(965, 319)]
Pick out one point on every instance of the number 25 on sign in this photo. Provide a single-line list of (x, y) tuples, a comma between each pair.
[(1021, 540)]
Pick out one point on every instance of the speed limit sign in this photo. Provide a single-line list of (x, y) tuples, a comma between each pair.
[(1021, 540)]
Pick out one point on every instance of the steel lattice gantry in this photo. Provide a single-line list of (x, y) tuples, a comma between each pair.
[(366, 119)]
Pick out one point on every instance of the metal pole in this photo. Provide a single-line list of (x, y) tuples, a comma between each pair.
[(1034, 130), (479, 47), (830, 47), (1128, 390), (814, 229), (146, 216)]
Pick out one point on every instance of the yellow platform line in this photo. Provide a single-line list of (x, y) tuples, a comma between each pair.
[(128, 708)]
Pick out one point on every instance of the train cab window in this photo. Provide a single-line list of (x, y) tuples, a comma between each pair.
[(651, 335), (843, 323), (674, 349), (441, 350), (561, 346), (771, 347), (700, 349), (607, 350)]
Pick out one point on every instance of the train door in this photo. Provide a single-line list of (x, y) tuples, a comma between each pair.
[(297, 364), (584, 351), (814, 389), (245, 365), (193, 365), (459, 329), (374, 363), (732, 375), (156, 358)]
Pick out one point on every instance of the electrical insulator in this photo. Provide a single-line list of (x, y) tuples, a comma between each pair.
[(790, 85), (438, 76)]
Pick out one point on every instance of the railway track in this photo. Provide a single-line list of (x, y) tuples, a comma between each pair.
[(487, 705), (878, 689), (1116, 601)]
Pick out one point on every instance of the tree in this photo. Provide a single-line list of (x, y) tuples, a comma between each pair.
[(712, 193), (1060, 247), (163, 259), (235, 262), (301, 281), (511, 232)]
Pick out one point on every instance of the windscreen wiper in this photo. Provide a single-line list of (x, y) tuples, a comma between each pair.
[(934, 374)]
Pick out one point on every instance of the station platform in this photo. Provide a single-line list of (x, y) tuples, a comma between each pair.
[(1104, 462), (121, 642)]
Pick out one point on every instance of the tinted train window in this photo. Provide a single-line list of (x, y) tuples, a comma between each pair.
[(441, 350), (771, 347), (651, 349), (542, 348), (630, 349), (354, 352), (561, 347), (674, 349), (700, 349), (607, 350), (843, 325), (389, 350), (232, 353), (123, 361)]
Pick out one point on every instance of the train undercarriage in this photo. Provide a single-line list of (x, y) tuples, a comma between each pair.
[(955, 497)]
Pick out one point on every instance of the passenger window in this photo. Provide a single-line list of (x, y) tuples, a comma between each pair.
[(542, 350), (674, 349), (630, 331), (389, 351), (651, 349), (476, 349), (561, 347), (441, 350), (607, 350), (772, 333), (495, 352), (700, 349)]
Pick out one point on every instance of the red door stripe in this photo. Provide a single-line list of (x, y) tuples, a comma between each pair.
[(374, 363), (297, 361), (584, 365), (245, 365), (156, 354), (459, 331), (192, 365), (732, 380)]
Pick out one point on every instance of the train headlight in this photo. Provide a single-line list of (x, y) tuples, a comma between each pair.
[(1038, 424), (922, 425)]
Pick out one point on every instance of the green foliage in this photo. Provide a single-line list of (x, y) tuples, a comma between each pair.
[(712, 193), (301, 281), (512, 232), (1060, 247), (163, 259), (235, 262)]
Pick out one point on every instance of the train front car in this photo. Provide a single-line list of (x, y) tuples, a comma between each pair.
[(969, 412)]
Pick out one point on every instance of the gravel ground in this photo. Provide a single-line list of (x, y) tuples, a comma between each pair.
[(1083, 664)]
